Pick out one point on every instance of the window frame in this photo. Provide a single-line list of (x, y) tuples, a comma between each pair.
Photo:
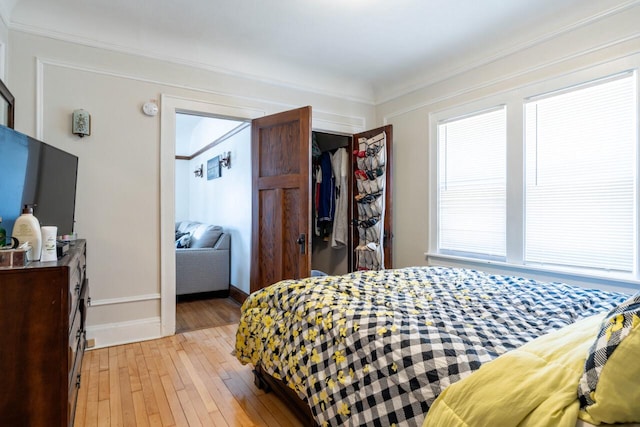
[(514, 99), (455, 252)]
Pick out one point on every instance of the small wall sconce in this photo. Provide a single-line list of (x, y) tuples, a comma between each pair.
[(81, 123), (225, 160), (199, 171)]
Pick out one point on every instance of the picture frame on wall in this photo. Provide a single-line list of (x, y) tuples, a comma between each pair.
[(213, 168)]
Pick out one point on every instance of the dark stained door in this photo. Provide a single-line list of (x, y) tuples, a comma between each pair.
[(281, 225), (388, 216)]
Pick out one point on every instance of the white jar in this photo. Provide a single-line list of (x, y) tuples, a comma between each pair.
[(27, 229)]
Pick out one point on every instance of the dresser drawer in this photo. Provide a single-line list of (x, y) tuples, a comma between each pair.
[(84, 303), (75, 340), (76, 278), (75, 376), (73, 399)]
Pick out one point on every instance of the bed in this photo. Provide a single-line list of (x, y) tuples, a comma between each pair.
[(378, 347)]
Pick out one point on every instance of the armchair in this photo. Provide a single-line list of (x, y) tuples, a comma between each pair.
[(202, 266)]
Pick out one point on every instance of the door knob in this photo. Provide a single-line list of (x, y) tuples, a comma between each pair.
[(301, 241)]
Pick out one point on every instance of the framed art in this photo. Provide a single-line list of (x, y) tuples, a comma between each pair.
[(213, 168)]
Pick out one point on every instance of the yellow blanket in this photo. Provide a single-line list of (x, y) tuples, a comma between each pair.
[(534, 385)]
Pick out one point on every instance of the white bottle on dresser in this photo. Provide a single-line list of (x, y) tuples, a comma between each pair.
[(27, 229)]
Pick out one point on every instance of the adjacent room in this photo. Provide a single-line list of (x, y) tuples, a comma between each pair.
[(206, 260), (320, 212)]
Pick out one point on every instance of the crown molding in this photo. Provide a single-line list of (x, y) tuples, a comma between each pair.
[(457, 71), (339, 122), (113, 47), (6, 7), (512, 76), (374, 98)]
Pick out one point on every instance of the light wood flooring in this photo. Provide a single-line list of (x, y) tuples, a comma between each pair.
[(189, 379), (205, 313)]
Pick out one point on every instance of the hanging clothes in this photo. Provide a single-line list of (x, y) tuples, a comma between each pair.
[(317, 179), (326, 196), (315, 149), (340, 166)]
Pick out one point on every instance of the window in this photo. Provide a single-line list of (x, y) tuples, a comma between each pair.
[(547, 182), (472, 184), (581, 174)]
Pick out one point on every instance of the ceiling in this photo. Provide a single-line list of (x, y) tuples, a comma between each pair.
[(193, 132), (368, 50)]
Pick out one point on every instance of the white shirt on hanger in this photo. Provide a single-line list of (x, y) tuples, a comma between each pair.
[(340, 167)]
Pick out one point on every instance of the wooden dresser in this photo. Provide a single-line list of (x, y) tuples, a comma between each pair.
[(42, 329)]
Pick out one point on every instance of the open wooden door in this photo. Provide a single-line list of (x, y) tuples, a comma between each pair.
[(281, 224)]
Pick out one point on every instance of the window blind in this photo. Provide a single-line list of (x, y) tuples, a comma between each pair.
[(581, 175), (472, 184)]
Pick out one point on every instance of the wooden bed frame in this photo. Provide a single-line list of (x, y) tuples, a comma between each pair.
[(300, 408)]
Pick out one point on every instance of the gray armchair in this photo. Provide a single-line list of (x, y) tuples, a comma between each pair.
[(203, 265)]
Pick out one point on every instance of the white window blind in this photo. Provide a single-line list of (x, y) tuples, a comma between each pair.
[(472, 184), (581, 175)]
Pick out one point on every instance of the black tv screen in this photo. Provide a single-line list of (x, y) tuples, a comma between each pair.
[(35, 173)]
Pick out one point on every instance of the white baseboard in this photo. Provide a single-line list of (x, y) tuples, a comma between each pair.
[(111, 334)]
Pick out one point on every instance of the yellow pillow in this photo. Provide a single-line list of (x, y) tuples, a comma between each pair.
[(609, 389)]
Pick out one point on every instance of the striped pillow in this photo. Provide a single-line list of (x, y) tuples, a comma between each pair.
[(621, 325)]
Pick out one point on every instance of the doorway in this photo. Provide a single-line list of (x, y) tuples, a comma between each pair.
[(330, 254), (213, 189), (282, 198), (171, 107)]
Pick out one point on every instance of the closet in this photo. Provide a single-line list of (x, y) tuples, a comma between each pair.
[(330, 248), (286, 240), (358, 195)]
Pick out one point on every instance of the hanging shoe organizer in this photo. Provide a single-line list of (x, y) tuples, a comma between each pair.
[(370, 177)]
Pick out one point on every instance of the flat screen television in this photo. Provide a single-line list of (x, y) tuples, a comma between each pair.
[(35, 173)]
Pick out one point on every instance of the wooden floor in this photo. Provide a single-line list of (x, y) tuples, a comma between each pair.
[(189, 379), (205, 313)]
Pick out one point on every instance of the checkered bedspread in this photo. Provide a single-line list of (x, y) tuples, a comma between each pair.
[(376, 348)]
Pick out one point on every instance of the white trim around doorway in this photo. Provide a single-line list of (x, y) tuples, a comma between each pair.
[(170, 105)]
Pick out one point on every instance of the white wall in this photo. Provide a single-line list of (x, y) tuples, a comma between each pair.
[(226, 201), (4, 39), (118, 198), (183, 175), (612, 38)]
